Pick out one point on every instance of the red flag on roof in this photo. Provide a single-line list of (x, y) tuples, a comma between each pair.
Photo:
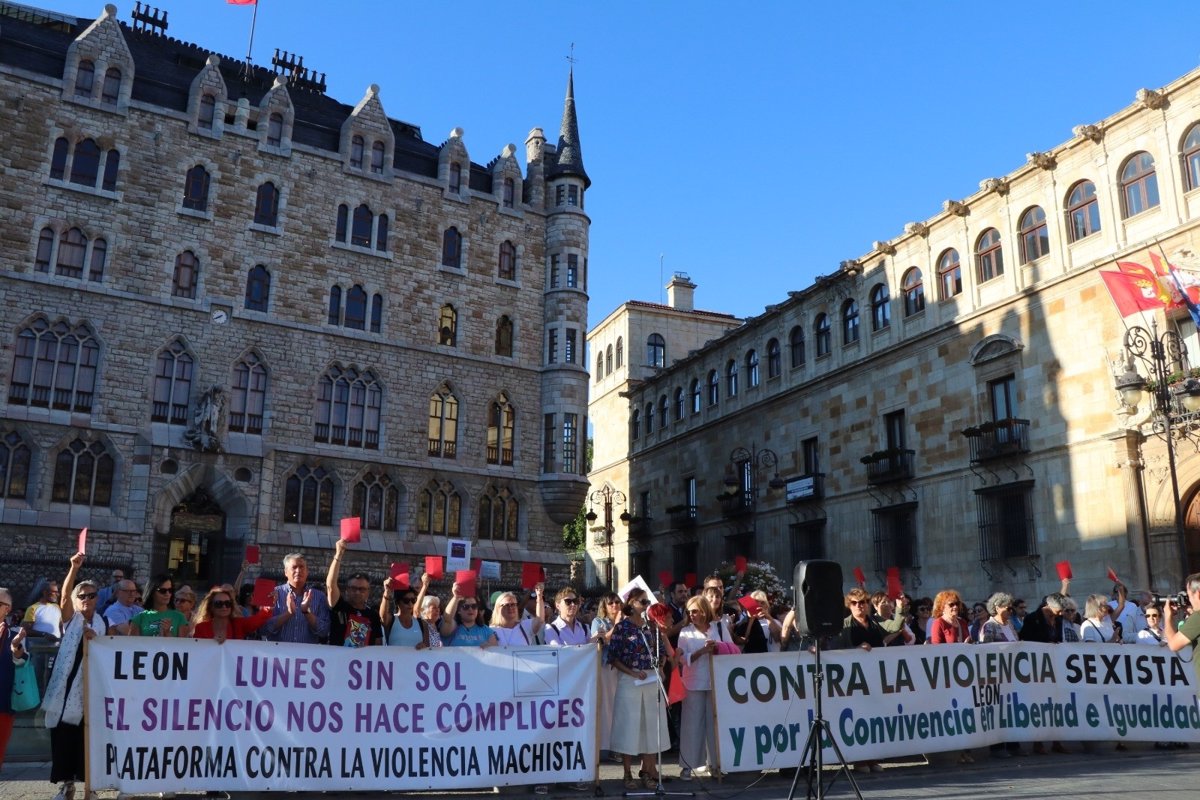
[(242, 2)]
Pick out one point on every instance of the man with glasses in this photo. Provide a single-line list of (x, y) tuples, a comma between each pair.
[(124, 609), (352, 622), (1045, 624), (299, 614), (567, 629), (1187, 633), (108, 595)]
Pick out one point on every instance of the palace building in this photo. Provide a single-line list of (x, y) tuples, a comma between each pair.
[(945, 404), (238, 310)]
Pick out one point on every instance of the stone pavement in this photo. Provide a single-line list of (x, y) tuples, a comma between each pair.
[(1082, 775)]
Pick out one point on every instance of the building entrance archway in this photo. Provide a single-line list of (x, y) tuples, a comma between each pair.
[(193, 548)]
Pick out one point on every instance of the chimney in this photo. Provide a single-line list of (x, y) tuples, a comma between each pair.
[(681, 292)]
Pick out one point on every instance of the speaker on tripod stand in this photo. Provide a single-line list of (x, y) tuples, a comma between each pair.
[(819, 612)]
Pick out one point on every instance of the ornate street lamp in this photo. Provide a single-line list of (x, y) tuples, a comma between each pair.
[(603, 537)]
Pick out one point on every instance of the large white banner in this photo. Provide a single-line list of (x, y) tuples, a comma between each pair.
[(186, 715), (904, 700)]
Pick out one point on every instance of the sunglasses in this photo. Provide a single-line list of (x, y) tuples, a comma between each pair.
[(616, 601), (571, 601), (859, 602), (408, 600), (161, 590), (88, 596), (1152, 616), (642, 601), (953, 605), (222, 604), (508, 605), (469, 607)]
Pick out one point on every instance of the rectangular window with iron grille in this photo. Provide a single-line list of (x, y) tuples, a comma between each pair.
[(808, 540), (894, 531), (1006, 528)]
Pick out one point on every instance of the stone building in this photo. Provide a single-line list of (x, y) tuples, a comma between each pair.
[(238, 310), (944, 403)]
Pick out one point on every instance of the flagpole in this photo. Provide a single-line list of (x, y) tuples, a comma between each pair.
[(253, 22)]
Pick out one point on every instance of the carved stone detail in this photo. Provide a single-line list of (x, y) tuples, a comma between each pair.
[(1152, 100), (887, 248), (918, 228), (851, 266), (956, 208), (1045, 161), (998, 185), (1093, 132)]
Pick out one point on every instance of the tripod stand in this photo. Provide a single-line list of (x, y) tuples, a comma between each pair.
[(811, 760), (659, 790)]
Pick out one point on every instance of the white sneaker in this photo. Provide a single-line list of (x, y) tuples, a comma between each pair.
[(66, 792), (701, 772), (685, 774)]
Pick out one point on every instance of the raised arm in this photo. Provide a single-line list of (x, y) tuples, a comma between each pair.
[(539, 619), (449, 625), (331, 577), (66, 602)]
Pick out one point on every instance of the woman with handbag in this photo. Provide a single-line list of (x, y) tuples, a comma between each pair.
[(64, 694), (12, 639)]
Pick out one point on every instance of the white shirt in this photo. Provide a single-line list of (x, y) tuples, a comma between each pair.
[(519, 635), (697, 675), (1132, 619), (560, 634)]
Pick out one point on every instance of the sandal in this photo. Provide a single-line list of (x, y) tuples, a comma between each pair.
[(650, 781), (630, 783)]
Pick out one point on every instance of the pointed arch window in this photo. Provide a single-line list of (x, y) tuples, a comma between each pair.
[(822, 334), (70, 251), (360, 229), (343, 222), (731, 378), (1035, 239), (111, 90), (356, 308), (83, 474), (195, 188), (440, 509), (501, 426), (913, 287), (85, 78), (377, 503), (989, 255), (881, 307), (54, 366), (172, 385), (443, 424), (248, 399), (796, 346), (14, 466), (357, 146), (507, 267), (774, 359), (85, 166), (498, 514), (376, 313), (58, 159), (752, 375), (258, 288), (1139, 185), (504, 337), (377, 154), (186, 275), (308, 496), (275, 129), (949, 275), (1083, 211), (348, 410), (448, 326), (455, 176), (452, 248), (850, 322), (266, 205), (656, 351), (335, 305)]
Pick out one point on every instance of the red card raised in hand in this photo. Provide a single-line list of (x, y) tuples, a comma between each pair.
[(739, 564), (750, 604), (1064, 570), (465, 580), (531, 575), (894, 589), (860, 577), (351, 530), (264, 593), (252, 554), (400, 575), (433, 566), (689, 580), (666, 578), (82, 541), (1112, 575)]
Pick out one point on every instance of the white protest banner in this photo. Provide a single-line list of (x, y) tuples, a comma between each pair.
[(186, 715), (904, 700)]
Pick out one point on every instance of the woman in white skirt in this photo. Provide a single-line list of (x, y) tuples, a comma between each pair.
[(639, 726)]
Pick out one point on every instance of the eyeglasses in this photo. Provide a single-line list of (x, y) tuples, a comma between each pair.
[(953, 604), (924, 608), (858, 602), (165, 590), (571, 601), (408, 600), (1152, 616), (642, 601), (87, 596), (222, 604), (469, 607), (508, 605)]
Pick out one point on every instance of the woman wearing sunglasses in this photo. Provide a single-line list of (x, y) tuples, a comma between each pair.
[(159, 618), (217, 617), (608, 614), (461, 626), (404, 628), (506, 622)]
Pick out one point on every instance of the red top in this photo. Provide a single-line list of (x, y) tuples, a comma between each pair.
[(238, 626), (949, 632)]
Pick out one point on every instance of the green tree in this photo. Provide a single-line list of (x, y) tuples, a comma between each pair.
[(575, 532)]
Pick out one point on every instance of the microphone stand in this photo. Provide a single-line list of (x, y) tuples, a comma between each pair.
[(811, 760), (660, 790)]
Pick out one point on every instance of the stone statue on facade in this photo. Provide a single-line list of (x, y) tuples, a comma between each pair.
[(202, 433)]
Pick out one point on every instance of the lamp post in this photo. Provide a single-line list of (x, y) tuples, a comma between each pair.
[(606, 498), (1162, 356), (750, 460)]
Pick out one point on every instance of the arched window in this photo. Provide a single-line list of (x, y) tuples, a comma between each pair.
[(649, 418), (186, 275), (85, 78), (620, 352), (881, 307), (99, 255), (949, 275), (774, 359), (1035, 240), (376, 313), (377, 503), (377, 158), (357, 146), (349, 404), (439, 510), (275, 129), (662, 412), (678, 403), (111, 164), (599, 367), (83, 475), (58, 161), (796, 345), (731, 378), (443, 424), (656, 351), (258, 288), (266, 205), (714, 388), (989, 255), (356, 308), (85, 166), (381, 232), (498, 513), (849, 322), (696, 402), (507, 268), (452, 248), (1191, 158), (343, 222), (822, 334), (1083, 211), (509, 192), (172, 385), (635, 425), (54, 366), (500, 433), (448, 326), (248, 399), (335, 305), (913, 287), (360, 227), (195, 188), (111, 90), (455, 176), (308, 497), (1139, 185), (504, 338), (14, 466), (608, 359), (208, 112), (752, 377)]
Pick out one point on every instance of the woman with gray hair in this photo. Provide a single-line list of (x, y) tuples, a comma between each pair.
[(1098, 626), (998, 626), (12, 640)]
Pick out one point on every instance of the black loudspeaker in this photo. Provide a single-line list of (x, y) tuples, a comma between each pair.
[(820, 607)]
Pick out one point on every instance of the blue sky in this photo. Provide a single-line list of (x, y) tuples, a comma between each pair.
[(751, 145)]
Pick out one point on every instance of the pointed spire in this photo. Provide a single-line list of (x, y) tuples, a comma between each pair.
[(570, 155)]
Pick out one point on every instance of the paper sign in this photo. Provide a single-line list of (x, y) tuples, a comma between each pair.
[(638, 582), (352, 530), (689, 580), (1064, 570), (252, 555), (458, 555), (465, 579), (400, 575), (860, 577), (894, 589), (433, 566), (82, 541), (665, 578), (489, 570), (1112, 575), (531, 575), (750, 604), (739, 564), (264, 593)]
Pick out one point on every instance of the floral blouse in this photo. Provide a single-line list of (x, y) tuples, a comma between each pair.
[(629, 647)]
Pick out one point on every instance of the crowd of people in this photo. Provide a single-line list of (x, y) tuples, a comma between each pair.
[(653, 653)]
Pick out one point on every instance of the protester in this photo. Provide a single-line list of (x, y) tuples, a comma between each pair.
[(758, 629), (216, 618), (460, 623), (1152, 635), (352, 622), (12, 655), (510, 629), (108, 595), (1018, 617), (42, 616), (299, 614), (979, 615), (185, 603), (124, 609), (998, 629), (1070, 620), (859, 629), (1098, 627), (158, 619), (431, 614), (922, 620), (63, 703), (639, 727), (948, 627), (1127, 612), (696, 720), (567, 629), (608, 614), (714, 593), (1188, 633), (404, 628), (890, 616), (1044, 624)]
